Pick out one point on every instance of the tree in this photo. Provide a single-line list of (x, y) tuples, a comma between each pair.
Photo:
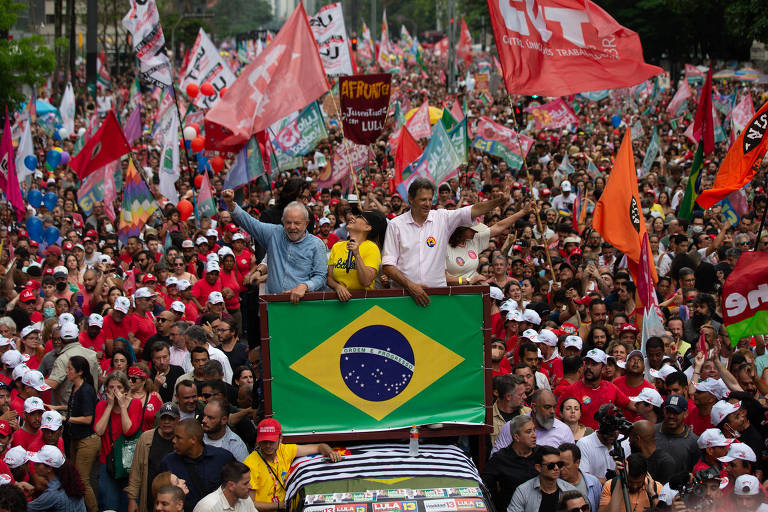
[(25, 61), (232, 17), (747, 19)]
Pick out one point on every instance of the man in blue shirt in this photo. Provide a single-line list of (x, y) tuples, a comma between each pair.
[(298, 260), (197, 464)]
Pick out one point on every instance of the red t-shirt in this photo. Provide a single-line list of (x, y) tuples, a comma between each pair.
[(621, 383), (232, 281), (113, 330), (17, 404), (23, 438), (143, 327), (697, 422), (591, 399), (134, 412), (190, 311), (97, 343), (33, 363), (553, 368), (38, 443), (243, 261), (332, 239), (86, 300), (153, 405), (201, 289), (497, 326)]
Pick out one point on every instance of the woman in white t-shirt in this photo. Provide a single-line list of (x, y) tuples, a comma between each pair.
[(466, 244)]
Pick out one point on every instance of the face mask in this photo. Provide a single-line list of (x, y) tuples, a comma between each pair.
[(49, 312), (698, 229), (61, 286)]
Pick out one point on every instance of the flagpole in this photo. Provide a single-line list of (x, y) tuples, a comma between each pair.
[(530, 185), (344, 141), (760, 229)]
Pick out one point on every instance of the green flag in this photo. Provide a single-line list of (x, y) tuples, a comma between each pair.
[(459, 138), (650, 154), (448, 120), (694, 185), (377, 363)]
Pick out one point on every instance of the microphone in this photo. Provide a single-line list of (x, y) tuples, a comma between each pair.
[(348, 263)]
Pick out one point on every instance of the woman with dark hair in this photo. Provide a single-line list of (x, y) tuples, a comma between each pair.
[(59, 482), (83, 442), (354, 263)]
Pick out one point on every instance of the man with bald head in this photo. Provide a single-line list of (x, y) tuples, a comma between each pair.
[(199, 465), (642, 440), (297, 259)]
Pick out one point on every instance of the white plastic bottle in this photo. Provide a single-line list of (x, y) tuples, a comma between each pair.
[(413, 444)]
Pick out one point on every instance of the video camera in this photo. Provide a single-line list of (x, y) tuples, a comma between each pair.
[(610, 419), (693, 491)]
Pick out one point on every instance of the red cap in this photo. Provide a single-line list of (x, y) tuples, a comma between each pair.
[(22, 233), (77, 223), (517, 185), (33, 243), (149, 278), (584, 301), (26, 295), (48, 271), (268, 430), (32, 284), (52, 249), (68, 246), (135, 371), (92, 233), (333, 202), (232, 228), (87, 239), (575, 250), (628, 328), (5, 428), (546, 192)]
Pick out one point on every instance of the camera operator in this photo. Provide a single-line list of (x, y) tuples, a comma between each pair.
[(596, 447), (642, 440), (643, 489)]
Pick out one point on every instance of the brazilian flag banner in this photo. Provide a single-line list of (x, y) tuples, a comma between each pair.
[(374, 364)]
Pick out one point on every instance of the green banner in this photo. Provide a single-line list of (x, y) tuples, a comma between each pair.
[(376, 363), (650, 154), (303, 134)]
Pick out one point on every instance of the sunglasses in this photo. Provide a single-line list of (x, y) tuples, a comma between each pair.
[(552, 465), (206, 395), (583, 508), (134, 379)]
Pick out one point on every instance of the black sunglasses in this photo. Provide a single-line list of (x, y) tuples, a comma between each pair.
[(552, 465), (583, 508), (206, 395), (133, 379)]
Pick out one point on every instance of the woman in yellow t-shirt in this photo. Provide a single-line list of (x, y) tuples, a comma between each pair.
[(353, 264)]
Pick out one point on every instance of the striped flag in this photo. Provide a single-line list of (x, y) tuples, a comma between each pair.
[(138, 204)]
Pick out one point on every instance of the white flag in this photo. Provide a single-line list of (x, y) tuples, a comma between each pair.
[(169, 163), (67, 109), (331, 36), (25, 149), (206, 65)]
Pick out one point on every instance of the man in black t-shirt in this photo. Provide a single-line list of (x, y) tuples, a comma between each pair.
[(164, 373)]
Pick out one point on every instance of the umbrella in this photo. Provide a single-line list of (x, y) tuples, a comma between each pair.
[(747, 74), (725, 74), (435, 114)]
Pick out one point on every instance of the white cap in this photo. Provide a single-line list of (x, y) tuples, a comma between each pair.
[(212, 266), (184, 285), (201, 240), (66, 318), (211, 256), (740, 451), (4, 342), (547, 337), (48, 455), (573, 341), (122, 304), (16, 456), (238, 236), (531, 316), (515, 316), (29, 330), (508, 305), (13, 358), (663, 372), (495, 292), (711, 438), (530, 335), (178, 307), (95, 319), (52, 420), (212, 232), (714, 386), (143, 293), (35, 379), (215, 298), (649, 396), (565, 186), (32, 404), (597, 356), (721, 410), (70, 331), (172, 281), (746, 485), (19, 371), (225, 251), (667, 494), (323, 221), (635, 353), (187, 243), (61, 269)]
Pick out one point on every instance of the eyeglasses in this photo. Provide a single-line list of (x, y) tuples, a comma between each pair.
[(134, 379), (161, 320), (552, 465), (743, 244), (178, 264), (223, 330), (583, 508), (206, 395)]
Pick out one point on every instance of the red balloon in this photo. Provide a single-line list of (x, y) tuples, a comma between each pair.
[(217, 164), (207, 89), (198, 180), (197, 144), (185, 209), (192, 90), (222, 91)]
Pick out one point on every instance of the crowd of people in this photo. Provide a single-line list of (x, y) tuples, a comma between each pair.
[(130, 374)]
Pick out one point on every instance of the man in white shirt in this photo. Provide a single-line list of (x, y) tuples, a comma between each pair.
[(196, 335), (564, 201), (233, 494)]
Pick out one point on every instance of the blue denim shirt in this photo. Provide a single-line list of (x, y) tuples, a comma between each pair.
[(56, 499), (290, 263)]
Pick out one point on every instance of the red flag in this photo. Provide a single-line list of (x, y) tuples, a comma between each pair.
[(742, 161), (287, 76), (408, 150), (456, 111), (418, 124), (107, 145), (562, 47), (703, 126), (464, 46), (9, 180)]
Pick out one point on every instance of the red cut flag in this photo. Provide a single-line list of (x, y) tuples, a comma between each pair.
[(742, 161), (464, 46), (107, 145), (456, 111), (703, 126), (408, 150), (562, 47), (9, 180), (418, 124), (287, 76)]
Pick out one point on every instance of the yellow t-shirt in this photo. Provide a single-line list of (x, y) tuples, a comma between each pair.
[(371, 255), (262, 481)]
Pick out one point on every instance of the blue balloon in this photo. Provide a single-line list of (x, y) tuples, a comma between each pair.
[(35, 197), (35, 229), (53, 158), (30, 161), (616, 120), (50, 200), (51, 235)]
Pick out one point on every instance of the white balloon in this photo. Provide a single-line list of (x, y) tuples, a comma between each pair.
[(81, 132), (190, 132), (63, 133)]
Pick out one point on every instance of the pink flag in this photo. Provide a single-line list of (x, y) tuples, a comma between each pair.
[(645, 288), (132, 128), (680, 97), (554, 114), (418, 124), (464, 46), (742, 113), (456, 111), (9, 181)]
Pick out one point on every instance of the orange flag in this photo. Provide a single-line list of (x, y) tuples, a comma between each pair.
[(618, 216)]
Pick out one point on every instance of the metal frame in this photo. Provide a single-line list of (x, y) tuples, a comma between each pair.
[(402, 433)]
